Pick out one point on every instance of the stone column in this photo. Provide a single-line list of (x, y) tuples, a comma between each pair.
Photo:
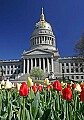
[(52, 67), (48, 65), (35, 62), (10, 70), (39, 40), (64, 67), (69, 67), (28, 66), (61, 68), (6, 69), (44, 64), (13, 68), (31, 63), (24, 66)]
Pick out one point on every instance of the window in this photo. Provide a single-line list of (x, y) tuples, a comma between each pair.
[(81, 69), (76, 64), (72, 77), (67, 70), (72, 70), (38, 39), (81, 77), (19, 66), (80, 64), (11, 71), (76, 69), (77, 77), (7, 72), (35, 40)]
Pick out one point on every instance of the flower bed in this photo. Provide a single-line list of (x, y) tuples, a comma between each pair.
[(29, 101)]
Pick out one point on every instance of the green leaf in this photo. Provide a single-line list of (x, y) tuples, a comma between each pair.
[(34, 107), (31, 94), (27, 115)]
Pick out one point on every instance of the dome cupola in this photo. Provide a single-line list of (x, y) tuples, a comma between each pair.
[(42, 36)]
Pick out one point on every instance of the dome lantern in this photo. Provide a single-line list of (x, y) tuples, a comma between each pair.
[(42, 16)]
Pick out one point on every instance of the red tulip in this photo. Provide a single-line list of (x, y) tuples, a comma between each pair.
[(34, 88), (24, 90), (82, 95), (73, 86), (68, 85), (49, 87), (67, 94), (40, 88), (82, 85), (57, 85)]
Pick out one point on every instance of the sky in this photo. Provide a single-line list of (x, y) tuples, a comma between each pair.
[(18, 17)]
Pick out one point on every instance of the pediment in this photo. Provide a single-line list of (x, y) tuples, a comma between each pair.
[(37, 52)]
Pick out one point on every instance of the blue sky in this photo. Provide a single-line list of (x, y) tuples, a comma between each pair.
[(18, 17)]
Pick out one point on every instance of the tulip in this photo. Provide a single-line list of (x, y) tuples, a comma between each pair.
[(82, 85), (57, 85), (18, 86), (24, 90), (67, 94), (8, 85), (68, 85), (13, 85), (34, 88), (62, 83), (2, 83), (49, 87), (40, 88), (82, 95), (73, 86), (78, 88), (46, 82), (29, 82)]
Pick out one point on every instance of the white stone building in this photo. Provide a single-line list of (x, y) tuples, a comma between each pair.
[(43, 53)]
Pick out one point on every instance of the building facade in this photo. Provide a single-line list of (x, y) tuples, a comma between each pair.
[(43, 53)]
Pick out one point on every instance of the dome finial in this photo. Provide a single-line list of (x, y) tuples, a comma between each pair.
[(42, 10), (42, 16)]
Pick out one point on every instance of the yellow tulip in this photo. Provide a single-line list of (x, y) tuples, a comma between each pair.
[(46, 81), (62, 83), (29, 82)]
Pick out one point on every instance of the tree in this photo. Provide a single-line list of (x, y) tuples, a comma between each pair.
[(79, 46), (37, 72)]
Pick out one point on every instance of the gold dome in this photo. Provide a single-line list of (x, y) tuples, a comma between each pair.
[(42, 23)]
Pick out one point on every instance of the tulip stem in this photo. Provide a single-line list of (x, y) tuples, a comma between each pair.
[(8, 96), (23, 108), (58, 99)]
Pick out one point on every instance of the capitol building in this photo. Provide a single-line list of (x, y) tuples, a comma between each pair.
[(44, 54)]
